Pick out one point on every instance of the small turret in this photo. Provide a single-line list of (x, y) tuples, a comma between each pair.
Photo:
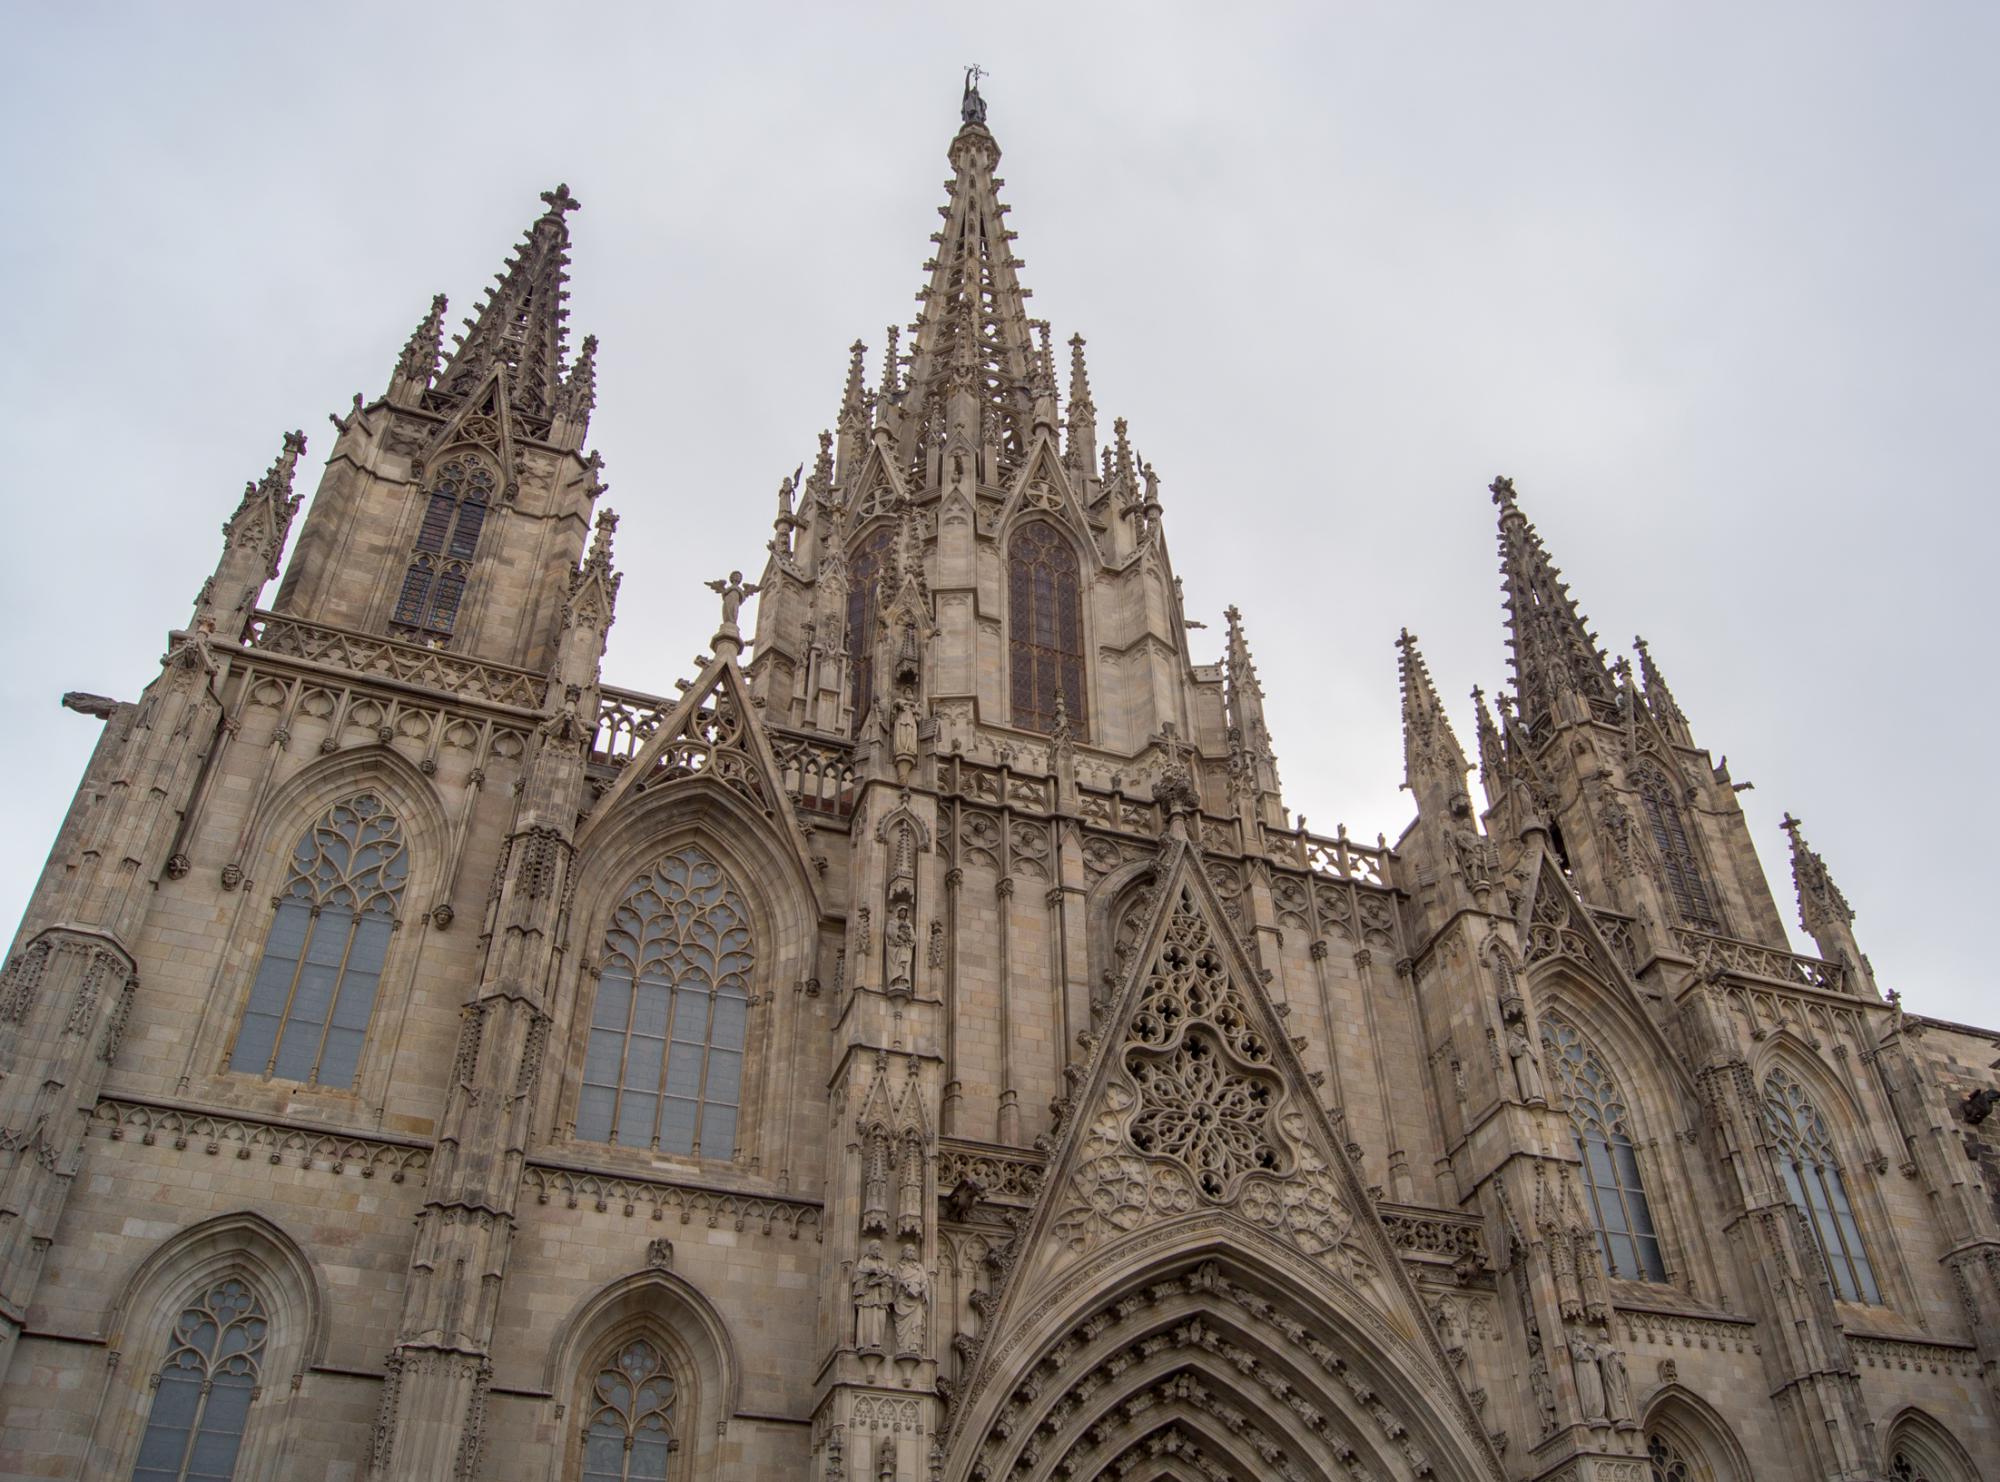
[(1666, 711), (252, 539), (1823, 910), (417, 366), (1080, 445), (1253, 767), (577, 398), (1434, 764)]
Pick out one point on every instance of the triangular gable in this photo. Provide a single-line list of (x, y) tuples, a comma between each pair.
[(878, 488), (713, 732), (484, 420), (1554, 922), (1043, 486), (1196, 1103)]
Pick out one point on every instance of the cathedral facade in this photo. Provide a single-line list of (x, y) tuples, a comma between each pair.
[(922, 1046)]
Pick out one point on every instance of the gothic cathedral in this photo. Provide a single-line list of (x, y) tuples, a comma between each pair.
[(922, 1046)]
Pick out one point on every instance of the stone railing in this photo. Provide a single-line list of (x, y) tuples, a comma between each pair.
[(1004, 1175), (1616, 929), (817, 772), (1338, 856), (1749, 960), (406, 663), (1435, 1236), (625, 719)]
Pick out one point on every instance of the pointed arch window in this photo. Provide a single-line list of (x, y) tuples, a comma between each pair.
[(454, 515), (872, 559), (1811, 1170), (204, 1386), (1905, 1468), (1669, 1464), (315, 987), (663, 1067), (1045, 611), (628, 1430), (1599, 1121), (1686, 882)]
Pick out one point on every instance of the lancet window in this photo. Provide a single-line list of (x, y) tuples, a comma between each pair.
[(1600, 1123), (315, 987), (1045, 610), (871, 562), (663, 1068), (1686, 882), (1811, 1170), (204, 1386), (628, 1429), (454, 514)]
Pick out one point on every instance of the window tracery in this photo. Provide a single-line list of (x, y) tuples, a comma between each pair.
[(203, 1388), (1686, 882), (315, 987), (628, 1433), (1904, 1469), (1668, 1464), (1045, 615), (664, 1063), (1811, 1170), (441, 559), (871, 559), (1600, 1123)]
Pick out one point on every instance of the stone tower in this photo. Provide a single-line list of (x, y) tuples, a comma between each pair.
[(923, 1045)]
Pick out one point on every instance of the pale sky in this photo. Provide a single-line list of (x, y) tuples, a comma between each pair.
[(1714, 284)]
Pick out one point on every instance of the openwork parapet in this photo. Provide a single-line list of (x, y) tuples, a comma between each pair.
[(409, 663), (1753, 961)]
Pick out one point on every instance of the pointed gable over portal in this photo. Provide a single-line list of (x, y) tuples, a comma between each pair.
[(1203, 1272)]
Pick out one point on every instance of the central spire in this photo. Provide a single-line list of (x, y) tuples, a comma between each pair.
[(973, 358), (1555, 654), (521, 324)]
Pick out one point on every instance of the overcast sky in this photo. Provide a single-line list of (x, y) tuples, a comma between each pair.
[(1714, 284)]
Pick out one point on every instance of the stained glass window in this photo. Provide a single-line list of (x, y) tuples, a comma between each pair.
[(1685, 881), (1045, 608), (315, 988), (439, 565), (1811, 1171), (203, 1388), (628, 1434), (1668, 1463), (1599, 1122), (1905, 1469), (870, 562), (664, 1063)]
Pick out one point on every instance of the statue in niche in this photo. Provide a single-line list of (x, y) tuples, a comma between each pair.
[(910, 1188), (902, 949), (1527, 1071), (913, 1290), (903, 735), (872, 1294), (1539, 1382), (875, 1183), (1617, 1384), (1589, 1379)]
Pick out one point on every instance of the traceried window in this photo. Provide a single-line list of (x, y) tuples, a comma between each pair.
[(454, 514), (628, 1433), (1600, 1123), (1669, 1465), (664, 1064), (1904, 1469), (1045, 611), (871, 561), (1685, 880), (203, 1388), (315, 988), (1811, 1170)]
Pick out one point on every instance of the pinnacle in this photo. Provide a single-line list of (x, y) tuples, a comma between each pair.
[(1429, 746), (1820, 902), (1554, 653)]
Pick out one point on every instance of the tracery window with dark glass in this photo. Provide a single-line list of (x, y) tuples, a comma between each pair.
[(663, 1068), (1686, 882), (870, 562), (203, 1388), (628, 1433), (1045, 611), (1903, 1469), (454, 514), (315, 987), (1811, 1170), (1600, 1123), (1668, 1464)]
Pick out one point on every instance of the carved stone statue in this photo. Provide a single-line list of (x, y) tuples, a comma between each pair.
[(1617, 1385), (1539, 1382), (875, 1183), (913, 1290), (910, 1187), (1589, 1379), (902, 949), (904, 736), (1527, 1071), (733, 591), (872, 1294)]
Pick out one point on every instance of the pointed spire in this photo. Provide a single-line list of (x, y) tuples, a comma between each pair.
[(417, 366), (1492, 750), (252, 539), (577, 398), (1821, 905), (892, 360), (1431, 753), (520, 325), (1252, 763), (786, 522), (1081, 445), (853, 395), (1659, 699), (1554, 653)]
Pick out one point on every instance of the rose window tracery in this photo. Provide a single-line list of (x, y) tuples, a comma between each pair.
[(1215, 1120)]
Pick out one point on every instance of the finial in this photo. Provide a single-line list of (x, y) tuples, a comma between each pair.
[(418, 363), (560, 202), (892, 376), (972, 107), (853, 396), (599, 558), (1502, 489)]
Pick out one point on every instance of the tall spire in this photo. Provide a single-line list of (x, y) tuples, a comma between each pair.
[(520, 325), (1821, 905), (1081, 443), (1492, 749), (1431, 753), (252, 539), (1253, 766), (1554, 653), (972, 335), (418, 364)]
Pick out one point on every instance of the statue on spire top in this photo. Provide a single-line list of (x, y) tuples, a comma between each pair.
[(972, 107)]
